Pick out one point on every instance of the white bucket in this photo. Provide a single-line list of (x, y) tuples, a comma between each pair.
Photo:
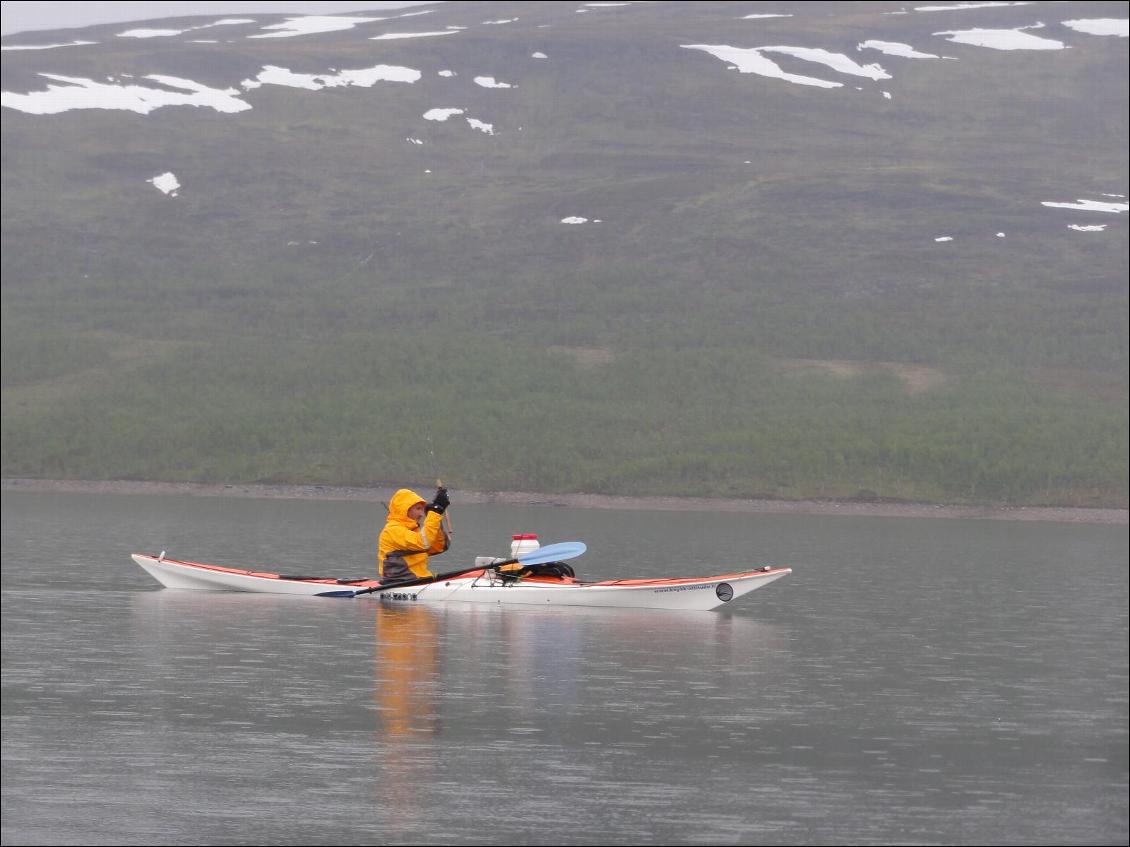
[(520, 544)]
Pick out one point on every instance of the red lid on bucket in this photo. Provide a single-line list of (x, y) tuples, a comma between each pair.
[(523, 538)]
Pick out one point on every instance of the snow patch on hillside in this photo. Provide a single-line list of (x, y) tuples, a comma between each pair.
[(313, 24), (166, 182), (752, 60), (962, 6), (491, 82), (1089, 206), (150, 33), (895, 48), (836, 61), (441, 114), (45, 46), (167, 33), (81, 93), (1101, 26), (1004, 39), (389, 36), (362, 77)]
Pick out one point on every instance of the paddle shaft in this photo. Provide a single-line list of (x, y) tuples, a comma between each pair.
[(439, 577), (549, 553)]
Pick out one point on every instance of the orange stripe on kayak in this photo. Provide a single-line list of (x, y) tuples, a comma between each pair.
[(689, 579), (245, 572)]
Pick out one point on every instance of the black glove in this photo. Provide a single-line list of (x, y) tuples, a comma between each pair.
[(440, 503)]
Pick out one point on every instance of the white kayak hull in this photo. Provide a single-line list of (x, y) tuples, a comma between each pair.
[(701, 594), (483, 587)]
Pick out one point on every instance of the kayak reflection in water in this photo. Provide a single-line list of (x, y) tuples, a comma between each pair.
[(413, 533)]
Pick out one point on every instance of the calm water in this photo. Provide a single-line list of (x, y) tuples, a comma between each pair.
[(913, 682)]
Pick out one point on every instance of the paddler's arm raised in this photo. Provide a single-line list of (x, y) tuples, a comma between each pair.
[(434, 530)]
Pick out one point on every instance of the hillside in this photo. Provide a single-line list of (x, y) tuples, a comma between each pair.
[(876, 256)]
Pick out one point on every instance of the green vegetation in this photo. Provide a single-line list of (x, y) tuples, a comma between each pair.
[(314, 308), (503, 415)]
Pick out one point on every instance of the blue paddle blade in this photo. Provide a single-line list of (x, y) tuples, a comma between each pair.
[(553, 553)]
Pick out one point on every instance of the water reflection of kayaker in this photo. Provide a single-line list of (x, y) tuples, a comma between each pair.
[(413, 533), (408, 672), (406, 685)]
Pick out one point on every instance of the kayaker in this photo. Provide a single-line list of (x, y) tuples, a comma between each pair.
[(413, 533)]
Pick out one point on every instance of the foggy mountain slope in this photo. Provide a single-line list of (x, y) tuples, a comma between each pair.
[(586, 246)]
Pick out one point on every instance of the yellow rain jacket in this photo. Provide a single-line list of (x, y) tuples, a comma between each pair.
[(404, 545)]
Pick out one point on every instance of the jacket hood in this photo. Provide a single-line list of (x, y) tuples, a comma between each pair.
[(401, 502)]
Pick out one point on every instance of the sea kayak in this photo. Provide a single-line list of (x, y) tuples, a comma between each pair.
[(484, 585)]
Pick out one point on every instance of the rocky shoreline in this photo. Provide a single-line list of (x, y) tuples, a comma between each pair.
[(588, 501)]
